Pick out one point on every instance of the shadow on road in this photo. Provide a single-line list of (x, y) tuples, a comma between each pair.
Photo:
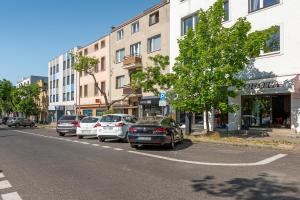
[(179, 146), (263, 187)]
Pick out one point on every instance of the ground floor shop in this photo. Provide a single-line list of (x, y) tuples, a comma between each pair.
[(57, 111)]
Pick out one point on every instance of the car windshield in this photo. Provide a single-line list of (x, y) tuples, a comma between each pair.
[(89, 120), (68, 117), (110, 118), (149, 122)]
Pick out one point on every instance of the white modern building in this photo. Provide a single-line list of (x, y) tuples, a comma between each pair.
[(31, 80), (271, 97), (62, 86)]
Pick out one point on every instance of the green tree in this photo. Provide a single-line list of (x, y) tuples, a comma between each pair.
[(25, 99), (87, 64), (211, 57), (6, 102)]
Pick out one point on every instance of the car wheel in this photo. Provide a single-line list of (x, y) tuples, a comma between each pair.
[(61, 134), (79, 136), (125, 140), (17, 125), (9, 126), (31, 125), (172, 143), (134, 146), (101, 139)]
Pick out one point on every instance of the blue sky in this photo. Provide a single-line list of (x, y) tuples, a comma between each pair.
[(32, 32)]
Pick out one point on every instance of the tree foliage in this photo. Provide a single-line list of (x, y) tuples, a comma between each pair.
[(6, 89), (210, 58)]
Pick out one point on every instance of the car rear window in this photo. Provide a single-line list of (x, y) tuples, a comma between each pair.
[(110, 118), (148, 122), (89, 120), (68, 117)]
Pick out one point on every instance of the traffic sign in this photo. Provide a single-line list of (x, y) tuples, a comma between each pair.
[(162, 103), (162, 96)]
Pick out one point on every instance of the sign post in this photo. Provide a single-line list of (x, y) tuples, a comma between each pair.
[(162, 101)]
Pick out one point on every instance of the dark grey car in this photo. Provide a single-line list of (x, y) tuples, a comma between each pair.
[(68, 124), (19, 121)]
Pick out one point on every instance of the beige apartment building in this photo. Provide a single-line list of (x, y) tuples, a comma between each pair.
[(132, 43), (90, 102)]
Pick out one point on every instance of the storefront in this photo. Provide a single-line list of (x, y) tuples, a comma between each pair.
[(149, 106), (268, 103)]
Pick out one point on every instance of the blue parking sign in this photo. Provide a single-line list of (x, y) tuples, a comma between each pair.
[(162, 96)]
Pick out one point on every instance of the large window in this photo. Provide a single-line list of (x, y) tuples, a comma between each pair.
[(102, 63), (260, 4), (226, 10), (273, 43), (135, 27), (120, 54), (120, 81), (154, 18), (135, 49), (189, 23), (120, 34), (154, 44), (85, 90)]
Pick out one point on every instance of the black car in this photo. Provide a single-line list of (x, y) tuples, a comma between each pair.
[(4, 120), (155, 131)]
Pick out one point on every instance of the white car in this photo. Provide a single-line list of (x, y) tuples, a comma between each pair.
[(88, 127), (115, 126)]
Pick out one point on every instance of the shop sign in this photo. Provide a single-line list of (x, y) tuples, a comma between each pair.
[(262, 85)]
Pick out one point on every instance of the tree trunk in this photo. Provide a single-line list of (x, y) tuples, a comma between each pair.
[(207, 119)]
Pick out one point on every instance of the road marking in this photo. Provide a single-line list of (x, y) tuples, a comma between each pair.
[(107, 147), (11, 196), (2, 175), (84, 143), (118, 149), (262, 162), (4, 184), (96, 145)]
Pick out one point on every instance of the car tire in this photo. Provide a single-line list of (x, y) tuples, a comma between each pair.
[(31, 125), (172, 143), (79, 136), (101, 139), (17, 125), (134, 146), (9, 126), (61, 134)]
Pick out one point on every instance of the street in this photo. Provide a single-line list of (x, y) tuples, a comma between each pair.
[(37, 164)]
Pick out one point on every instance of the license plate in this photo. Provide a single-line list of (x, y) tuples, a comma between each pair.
[(108, 127), (85, 132), (144, 138)]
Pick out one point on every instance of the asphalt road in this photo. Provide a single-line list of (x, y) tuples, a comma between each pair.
[(39, 165)]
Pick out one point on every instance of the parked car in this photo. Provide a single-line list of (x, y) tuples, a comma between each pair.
[(19, 121), (68, 124), (4, 120), (155, 131), (115, 126), (88, 127)]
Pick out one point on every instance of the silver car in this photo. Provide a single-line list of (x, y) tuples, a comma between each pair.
[(20, 121), (115, 126)]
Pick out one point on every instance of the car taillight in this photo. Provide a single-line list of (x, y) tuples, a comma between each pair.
[(58, 123), (160, 130), (132, 130), (76, 123), (120, 124), (97, 125)]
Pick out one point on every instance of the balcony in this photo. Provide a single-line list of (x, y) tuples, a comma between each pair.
[(132, 62), (128, 90)]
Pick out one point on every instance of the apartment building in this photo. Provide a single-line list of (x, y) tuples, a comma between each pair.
[(271, 96), (62, 86), (43, 101), (90, 101), (132, 43), (31, 80)]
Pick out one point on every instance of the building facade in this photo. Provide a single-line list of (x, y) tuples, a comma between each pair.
[(132, 44), (43, 101), (271, 96), (31, 80), (62, 86), (90, 101)]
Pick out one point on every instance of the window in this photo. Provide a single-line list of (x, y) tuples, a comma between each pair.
[(50, 70), (64, 96), (96, 91), (68, 63), (85, 52), (72, 79), (57, 68), (53, 84), (102, 44), (68, 96), (255, 5), (64, 81), (50, 84), (53, 70), (120, 82), (135, 27), (273, 43), (189, 23), (72, 96), (80, 91), (57, 83), (53, 98), (120, 34), (103, 86), (96, 47), (85, 90), (226, 10), (103, 63), (68, 80), (50, 99), (96, 68), (154, 18), (135, 49), (57, 97), (64, 65), (154, 44), (120, 54)]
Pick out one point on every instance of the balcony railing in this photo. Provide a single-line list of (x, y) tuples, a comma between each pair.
[(132, 62), (128, 90)]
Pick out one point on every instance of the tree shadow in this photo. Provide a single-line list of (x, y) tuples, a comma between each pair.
[(178, 147), (262, 187)]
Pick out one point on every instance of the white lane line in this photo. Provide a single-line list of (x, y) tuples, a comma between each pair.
[(118, 149), (96, 145), (4, 184), (11, 196), (75, 141), (2, 175), (107, 147), (263, 162), (84, 143)]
